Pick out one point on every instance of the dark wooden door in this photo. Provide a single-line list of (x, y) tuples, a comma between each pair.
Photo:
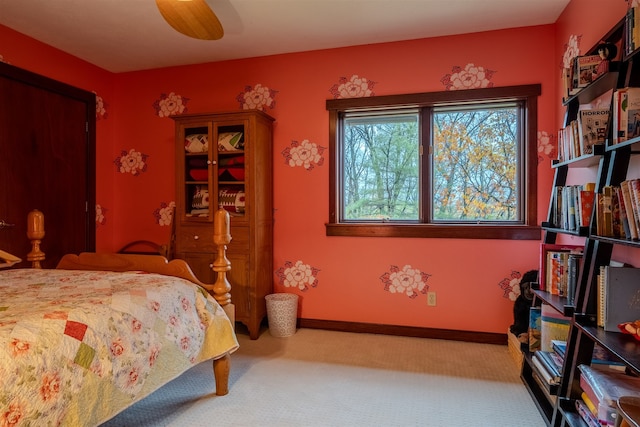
[(47, 162)]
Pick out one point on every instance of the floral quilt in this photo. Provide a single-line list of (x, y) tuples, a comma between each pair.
[(78, 347)]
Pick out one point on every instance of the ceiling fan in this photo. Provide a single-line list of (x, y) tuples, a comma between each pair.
[(193, 18)]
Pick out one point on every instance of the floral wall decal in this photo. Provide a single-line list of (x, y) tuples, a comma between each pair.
[(258, 98), (546, 146), (101, 108), (469, 77), (170, 104), (164, 214), (406, 280), (299, 275), (101, 215), (511, 286), (305, 154), (133, 162), (571, 50), (353, 87)]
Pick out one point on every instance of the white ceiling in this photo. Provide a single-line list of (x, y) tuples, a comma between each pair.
[(128, 35)]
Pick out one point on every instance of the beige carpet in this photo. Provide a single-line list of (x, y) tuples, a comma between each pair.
[(325, 378)]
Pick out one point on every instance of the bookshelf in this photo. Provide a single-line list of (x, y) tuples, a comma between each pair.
[(610, 164)]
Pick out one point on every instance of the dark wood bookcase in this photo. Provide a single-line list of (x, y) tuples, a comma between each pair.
[(610, 164)]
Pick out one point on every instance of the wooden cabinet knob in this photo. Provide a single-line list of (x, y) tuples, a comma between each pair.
[(196, 237)]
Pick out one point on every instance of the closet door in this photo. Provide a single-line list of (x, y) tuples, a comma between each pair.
[(47, 162)]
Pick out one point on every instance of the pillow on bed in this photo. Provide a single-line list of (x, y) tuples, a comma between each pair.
[(230, 141), (196, 143)]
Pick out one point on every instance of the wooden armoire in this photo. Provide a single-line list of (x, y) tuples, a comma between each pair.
[(225, 160), (47, 162)]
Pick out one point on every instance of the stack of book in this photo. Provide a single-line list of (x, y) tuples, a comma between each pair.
[(559, 266), (572, 206), (618, 210), (548, 364), (580, 136), (632, 27), (601, 388), (583, 71), (626, 114)]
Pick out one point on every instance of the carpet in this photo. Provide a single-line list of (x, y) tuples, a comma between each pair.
[(319, 378)]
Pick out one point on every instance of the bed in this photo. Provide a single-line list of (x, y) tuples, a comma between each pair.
[(81, 343)]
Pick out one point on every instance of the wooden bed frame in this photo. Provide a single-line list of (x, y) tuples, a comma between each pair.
[(153, 264)]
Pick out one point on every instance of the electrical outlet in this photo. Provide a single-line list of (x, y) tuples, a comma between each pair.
[(431, 298)]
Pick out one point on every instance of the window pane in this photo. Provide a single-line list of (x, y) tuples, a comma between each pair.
[(475, 164), (380, 167)]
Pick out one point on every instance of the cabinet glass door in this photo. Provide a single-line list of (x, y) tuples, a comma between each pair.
[(230, 167), (196, 172)]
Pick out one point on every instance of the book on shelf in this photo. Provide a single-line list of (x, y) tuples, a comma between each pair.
[(574, 263), (559, 346), (535, 328), (592, 128), (572, 206), (586, 414), (599, 357), (617, 213), (626, 112), (545, 370), (567, 84), (621, 208), (554, 267), (553, 326), (618, 133), (618, 296), (604, 386), (569, 216), (632, 30), (586, 69), (634, 193), (552, 362), (586, 198), (557, 272), (630, 209), (604, 212)]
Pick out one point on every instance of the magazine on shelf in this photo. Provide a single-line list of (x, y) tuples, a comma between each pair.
[(592, 128)]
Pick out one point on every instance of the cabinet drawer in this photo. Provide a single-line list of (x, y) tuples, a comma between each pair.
[(195, 239), (200, 239)]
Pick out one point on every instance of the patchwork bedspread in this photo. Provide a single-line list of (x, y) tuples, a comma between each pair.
[(78, 347)]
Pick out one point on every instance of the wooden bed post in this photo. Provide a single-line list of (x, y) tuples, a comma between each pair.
[(221, 368), (221, 238), (35, 233)]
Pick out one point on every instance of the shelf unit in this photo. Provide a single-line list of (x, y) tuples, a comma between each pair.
[(234, 171), (557, 405)]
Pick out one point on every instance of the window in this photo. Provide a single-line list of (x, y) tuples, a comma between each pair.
[(456, 164)]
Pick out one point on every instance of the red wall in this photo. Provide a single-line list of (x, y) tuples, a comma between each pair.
[(346, 276)]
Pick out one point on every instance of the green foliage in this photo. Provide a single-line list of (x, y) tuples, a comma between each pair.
[(475, 165), (473, 169), (381, 165)]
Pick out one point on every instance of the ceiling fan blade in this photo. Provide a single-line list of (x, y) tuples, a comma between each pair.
[(193, 18)]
